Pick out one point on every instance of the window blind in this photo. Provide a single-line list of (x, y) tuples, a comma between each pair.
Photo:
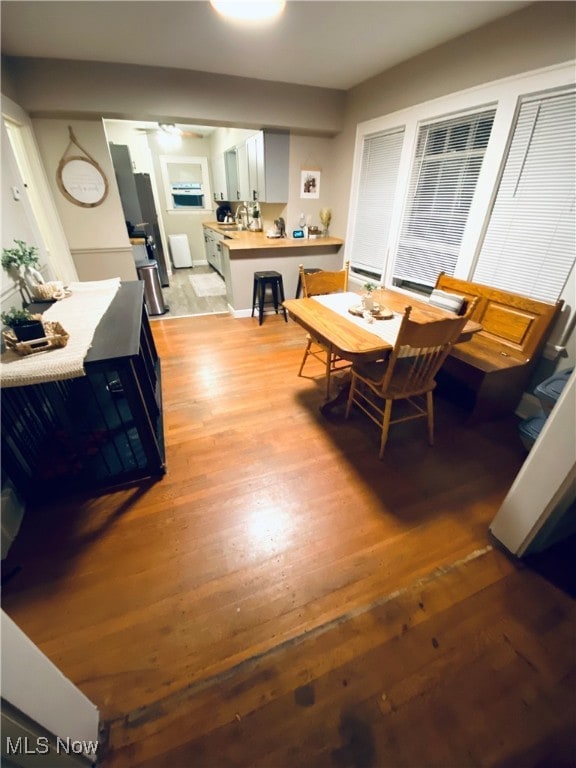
[(378, 177), (529, 246), (445, 171)]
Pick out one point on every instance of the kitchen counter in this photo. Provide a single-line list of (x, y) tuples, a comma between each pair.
[(243, 240), (245, 252)]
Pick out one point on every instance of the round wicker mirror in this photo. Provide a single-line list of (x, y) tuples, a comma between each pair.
[(82, 181)]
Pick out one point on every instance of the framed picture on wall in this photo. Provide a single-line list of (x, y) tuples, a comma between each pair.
[(310, 184)]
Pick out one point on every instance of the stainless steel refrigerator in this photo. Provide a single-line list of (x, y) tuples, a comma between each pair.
[(138, 205)]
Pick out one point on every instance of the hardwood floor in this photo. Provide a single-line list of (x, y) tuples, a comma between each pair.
[(282, 598)]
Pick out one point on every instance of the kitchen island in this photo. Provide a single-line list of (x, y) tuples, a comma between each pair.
[(245, 252)]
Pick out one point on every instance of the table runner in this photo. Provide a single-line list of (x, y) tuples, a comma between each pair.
[(341, 303), (79, 314)]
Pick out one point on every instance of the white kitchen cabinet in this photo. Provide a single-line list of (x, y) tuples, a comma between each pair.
[(231, 167), (262, 167), (219, 178), (243, 176), (212, 244)]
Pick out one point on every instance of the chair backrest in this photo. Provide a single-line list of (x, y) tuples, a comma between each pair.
[(420, 350), (323, 282)]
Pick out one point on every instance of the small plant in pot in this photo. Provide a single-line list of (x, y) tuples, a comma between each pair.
[(23, 324), (23, 261), (367, 299)]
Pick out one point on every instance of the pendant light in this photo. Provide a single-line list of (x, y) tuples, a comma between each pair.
[(251, 10)]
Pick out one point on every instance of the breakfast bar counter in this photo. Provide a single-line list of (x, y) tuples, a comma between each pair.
[(238, 241), (245, 252)]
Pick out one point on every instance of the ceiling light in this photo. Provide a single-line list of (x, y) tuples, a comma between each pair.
[(170, 128), (252, 10)]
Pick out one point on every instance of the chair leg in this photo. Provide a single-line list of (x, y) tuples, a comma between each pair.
[(430, 412), (261, 297), (306, 353), (385, 426), (274, 287), (350, 396), (282, 298), (328, 371), (254, 291)]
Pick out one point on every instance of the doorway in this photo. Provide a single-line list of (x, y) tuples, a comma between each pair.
[(146, 148)]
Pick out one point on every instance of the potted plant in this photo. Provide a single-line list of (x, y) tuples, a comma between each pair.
[(367, 300), (24, 325), (23, 261)]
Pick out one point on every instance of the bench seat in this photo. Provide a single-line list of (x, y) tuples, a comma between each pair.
[(493, 368)]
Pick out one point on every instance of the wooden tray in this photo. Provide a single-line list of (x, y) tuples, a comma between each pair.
[(382, 313), (56, 337)]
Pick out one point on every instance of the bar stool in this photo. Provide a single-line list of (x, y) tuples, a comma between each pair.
[(261, 280), (308, 271)]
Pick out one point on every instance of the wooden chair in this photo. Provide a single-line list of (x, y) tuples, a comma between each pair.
[(319, 284), (409, 373)]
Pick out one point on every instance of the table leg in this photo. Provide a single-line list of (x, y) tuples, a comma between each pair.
[(343, 382)]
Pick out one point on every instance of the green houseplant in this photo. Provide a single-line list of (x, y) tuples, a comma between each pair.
[(367, 300), (22, 261), (22, 256), (24, 325)]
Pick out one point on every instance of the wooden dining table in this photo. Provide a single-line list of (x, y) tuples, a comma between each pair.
[(355, 338)]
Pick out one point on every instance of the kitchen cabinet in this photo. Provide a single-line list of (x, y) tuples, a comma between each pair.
[(231, 168), (237, 177), (212, 244), (243, 176), (262, 167), (219, 178)]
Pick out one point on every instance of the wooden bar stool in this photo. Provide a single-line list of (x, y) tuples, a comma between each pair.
[(307, 271), (261, 281)]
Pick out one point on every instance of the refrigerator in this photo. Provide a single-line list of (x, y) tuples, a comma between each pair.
[(138, 205)]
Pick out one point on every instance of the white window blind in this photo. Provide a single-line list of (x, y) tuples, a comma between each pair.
[(529, 246), (444, 175), (378, 177)]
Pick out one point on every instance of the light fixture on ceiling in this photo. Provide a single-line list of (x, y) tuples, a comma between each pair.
[(252, 10), (170, 128)]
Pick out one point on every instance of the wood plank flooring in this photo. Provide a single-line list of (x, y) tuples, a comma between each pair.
[(282, 598)]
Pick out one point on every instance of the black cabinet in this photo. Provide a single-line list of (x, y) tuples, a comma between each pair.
[(94, 431)]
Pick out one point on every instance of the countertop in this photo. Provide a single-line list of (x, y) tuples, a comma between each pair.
[(237, 240)]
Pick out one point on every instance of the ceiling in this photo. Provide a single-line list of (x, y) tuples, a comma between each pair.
[(327, 43)]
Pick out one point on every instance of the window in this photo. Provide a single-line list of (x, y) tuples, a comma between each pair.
[(529, 244), (186, 183), (379, 173), (445, 172), (479, 184)]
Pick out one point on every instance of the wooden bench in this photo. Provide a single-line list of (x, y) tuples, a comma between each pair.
[(492, 370)]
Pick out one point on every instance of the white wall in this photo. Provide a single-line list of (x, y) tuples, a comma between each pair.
[(37, 688), (546, 479)]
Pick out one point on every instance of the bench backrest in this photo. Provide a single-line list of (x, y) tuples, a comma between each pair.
[(517, 322)]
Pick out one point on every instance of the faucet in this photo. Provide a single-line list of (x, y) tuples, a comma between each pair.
[(242, 215)]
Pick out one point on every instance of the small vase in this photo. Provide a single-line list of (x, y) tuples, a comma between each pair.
[(367, 302)]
